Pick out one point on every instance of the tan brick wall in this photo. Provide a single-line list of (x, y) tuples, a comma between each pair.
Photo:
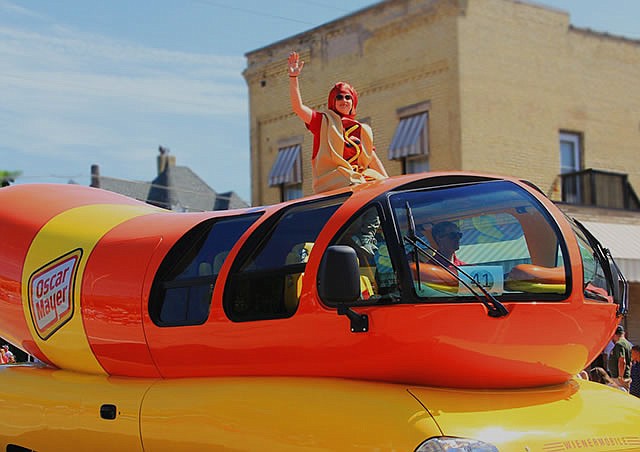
[(526, 74), (398, 55), (503, 78)]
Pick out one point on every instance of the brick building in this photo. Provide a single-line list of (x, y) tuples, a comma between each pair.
[(501, 86)]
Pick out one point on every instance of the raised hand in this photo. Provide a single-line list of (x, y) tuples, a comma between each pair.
[(295, 64)]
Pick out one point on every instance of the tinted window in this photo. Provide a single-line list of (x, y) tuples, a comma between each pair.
[(594, 279), (181, 292), (266, 284), (378, 278)]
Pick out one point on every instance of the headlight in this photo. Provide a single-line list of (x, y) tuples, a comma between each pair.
[(447, 444)]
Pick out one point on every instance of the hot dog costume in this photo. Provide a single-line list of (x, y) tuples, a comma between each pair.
[(342, 148)]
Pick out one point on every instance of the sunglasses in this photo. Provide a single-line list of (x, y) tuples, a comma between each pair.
[(453, 235), (345, 97)]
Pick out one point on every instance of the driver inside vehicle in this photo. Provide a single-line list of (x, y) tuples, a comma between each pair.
[(446, 236)]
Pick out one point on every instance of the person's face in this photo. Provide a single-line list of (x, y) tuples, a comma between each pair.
[(450, 238), (615, 338), (635, 355), (344, 103)]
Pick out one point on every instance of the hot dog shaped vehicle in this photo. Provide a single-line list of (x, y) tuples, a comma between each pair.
[(341, 301)]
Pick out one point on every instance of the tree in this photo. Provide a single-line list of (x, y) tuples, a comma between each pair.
[(8, 177)]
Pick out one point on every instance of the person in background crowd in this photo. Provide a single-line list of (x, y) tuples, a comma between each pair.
[(599, 375), (606, 353), (8, 354), (584, 375), (3, 356), (620, 358), (635, 371)]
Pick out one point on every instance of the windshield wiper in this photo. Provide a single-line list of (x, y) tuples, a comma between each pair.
[(494, 307), (412, 230)]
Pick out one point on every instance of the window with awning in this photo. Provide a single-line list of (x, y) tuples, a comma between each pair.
[(287, 169), (410, 138)]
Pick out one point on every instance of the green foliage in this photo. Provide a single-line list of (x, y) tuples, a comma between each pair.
[(8, 177)]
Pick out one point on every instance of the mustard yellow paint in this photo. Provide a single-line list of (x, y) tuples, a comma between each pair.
[(78, 228), (46, 409), (576, 415)]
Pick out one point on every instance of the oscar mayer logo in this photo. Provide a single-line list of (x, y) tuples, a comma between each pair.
[(51, 293)]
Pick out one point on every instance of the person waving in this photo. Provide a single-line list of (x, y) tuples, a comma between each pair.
[(343, 151)]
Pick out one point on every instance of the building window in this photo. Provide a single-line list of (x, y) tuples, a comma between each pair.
[(416, 164), (570, 150), (286, 172), (410, 143), (570, 162), (291, 191)]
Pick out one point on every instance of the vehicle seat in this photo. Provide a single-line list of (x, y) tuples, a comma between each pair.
[(299, 254), (218, 260), (536, 279)]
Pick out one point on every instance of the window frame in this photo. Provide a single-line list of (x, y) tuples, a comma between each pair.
[(244, 276), (192, 243), (291, 190), (386, 230), (403, 114), (407, 281), (575, 139)]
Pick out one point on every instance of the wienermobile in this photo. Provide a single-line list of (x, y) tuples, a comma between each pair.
[(286, 327)]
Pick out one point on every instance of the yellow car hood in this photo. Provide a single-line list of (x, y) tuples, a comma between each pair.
[(576, 415)]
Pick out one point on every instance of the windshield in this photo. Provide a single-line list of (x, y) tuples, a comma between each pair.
[(494, 232)]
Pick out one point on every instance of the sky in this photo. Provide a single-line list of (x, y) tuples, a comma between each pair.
[(86, 82)]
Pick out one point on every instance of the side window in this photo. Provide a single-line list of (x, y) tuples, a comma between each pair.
[(594, 279), (181, 292), (378, 278), (266, 283)]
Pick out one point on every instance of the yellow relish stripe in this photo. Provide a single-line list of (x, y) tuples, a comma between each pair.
[(52, 280)]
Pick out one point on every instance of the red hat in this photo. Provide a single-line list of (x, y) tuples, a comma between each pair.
[(344, 88)]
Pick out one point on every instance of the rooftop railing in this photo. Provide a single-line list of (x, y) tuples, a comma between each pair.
[(598, 188)]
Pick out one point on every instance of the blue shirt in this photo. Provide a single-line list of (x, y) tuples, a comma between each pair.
[(635, 379)]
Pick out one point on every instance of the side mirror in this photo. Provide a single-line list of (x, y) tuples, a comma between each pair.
[(339, 275)]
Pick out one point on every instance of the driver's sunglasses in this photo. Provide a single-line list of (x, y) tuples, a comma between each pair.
[(453, 235), (345, 97)]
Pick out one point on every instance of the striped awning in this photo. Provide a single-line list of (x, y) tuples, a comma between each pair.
[(623, 240), (406, 141), (287, 169)]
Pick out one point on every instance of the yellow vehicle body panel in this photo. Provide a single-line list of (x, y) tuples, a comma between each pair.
[(44, 409), (577, 415), (56, 410), (282, 414)]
